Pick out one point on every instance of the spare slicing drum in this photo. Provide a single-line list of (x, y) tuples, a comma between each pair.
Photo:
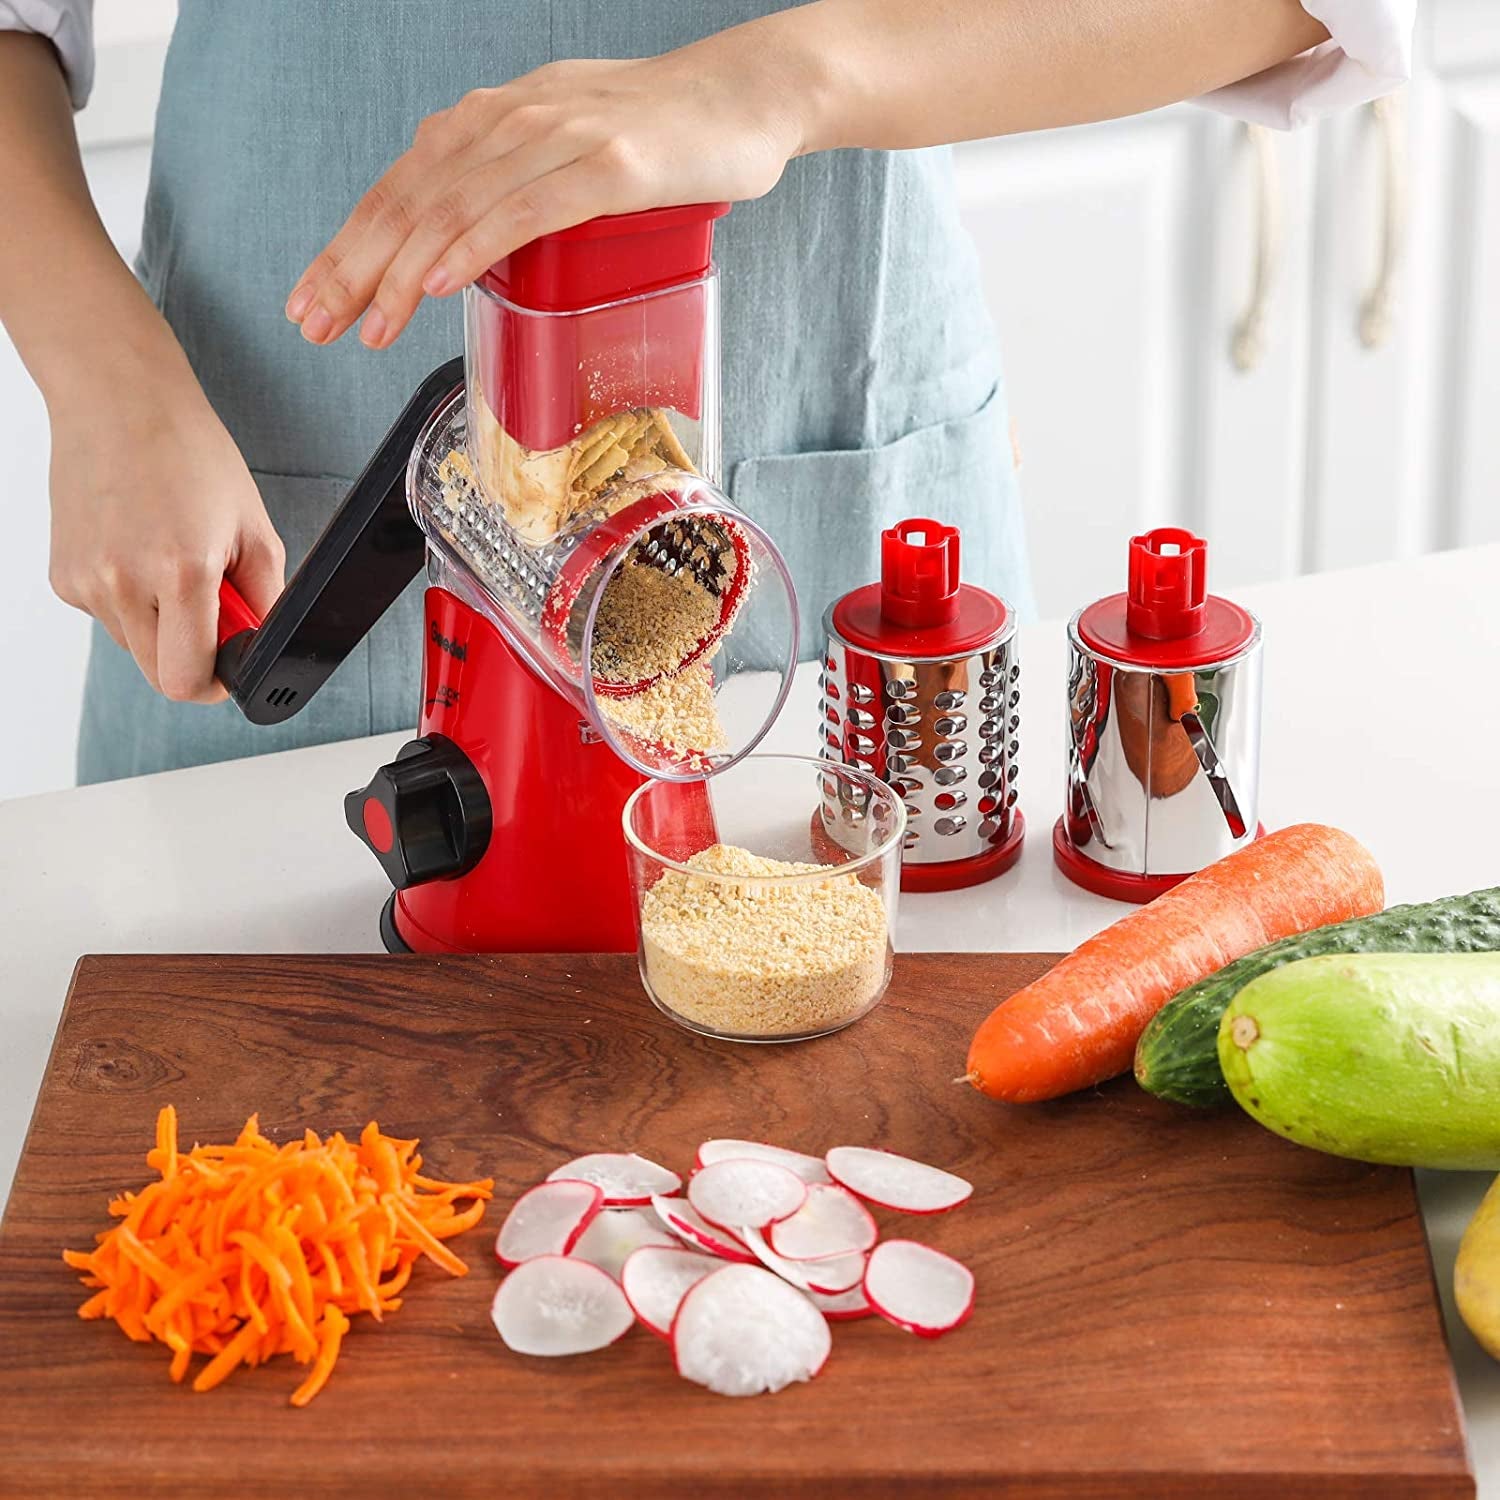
[(921, 686), (1164, 726)]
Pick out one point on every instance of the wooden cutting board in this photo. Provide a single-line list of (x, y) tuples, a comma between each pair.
[(1169, 1304)]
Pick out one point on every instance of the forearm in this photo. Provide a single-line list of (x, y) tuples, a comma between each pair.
[(70, 304), (890, 74)]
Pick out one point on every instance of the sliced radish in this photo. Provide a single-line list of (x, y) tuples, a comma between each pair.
[(689, 1225), (843, 1307), (897, 1182), (557, 1305), (823, 1277), (612, 1236), (742, 1331), (918, 1288), (746, 1192), (831, 1222), (789, 1271), (829, 1277), (655, 1279), (624, 1178), (547, 1220), (808, 1168)]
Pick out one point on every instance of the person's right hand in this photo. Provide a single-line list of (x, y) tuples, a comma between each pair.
[(152, 506)]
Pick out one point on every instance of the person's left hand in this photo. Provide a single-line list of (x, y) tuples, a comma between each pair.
[(566, 143)]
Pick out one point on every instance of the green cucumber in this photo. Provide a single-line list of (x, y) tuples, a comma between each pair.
[(1383, 1057), (1177, 1056)]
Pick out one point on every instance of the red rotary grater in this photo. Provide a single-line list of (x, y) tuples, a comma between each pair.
[(593, 351), (1164, 726), (921, 685)]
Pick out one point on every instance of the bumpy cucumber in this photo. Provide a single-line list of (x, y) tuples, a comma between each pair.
[(1178, 1054), (1383, 1057)]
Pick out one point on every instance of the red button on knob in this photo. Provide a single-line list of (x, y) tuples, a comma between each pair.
[(426, 815), (378, 826)]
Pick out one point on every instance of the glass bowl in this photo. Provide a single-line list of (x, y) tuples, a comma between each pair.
[(766, 896)]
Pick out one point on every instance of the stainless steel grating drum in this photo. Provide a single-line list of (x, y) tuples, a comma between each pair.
[(921, 686)]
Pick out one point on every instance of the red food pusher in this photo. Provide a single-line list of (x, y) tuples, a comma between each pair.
[(500, 825)]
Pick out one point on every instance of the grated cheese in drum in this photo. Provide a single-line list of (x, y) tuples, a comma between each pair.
[(650, 622), (677, 713)]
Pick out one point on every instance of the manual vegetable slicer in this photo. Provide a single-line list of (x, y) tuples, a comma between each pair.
[(1164, 726), (921, 686), (570, 457)]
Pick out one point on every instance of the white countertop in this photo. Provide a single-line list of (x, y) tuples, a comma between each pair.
[(1380, 717)]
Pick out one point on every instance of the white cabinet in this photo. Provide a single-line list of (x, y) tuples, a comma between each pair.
[(1367, 498), (1408, 450), (1120, 259), (1464, 303), (1088, 255), (1247, 406)]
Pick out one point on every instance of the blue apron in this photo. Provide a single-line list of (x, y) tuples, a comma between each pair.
[(861, 380)]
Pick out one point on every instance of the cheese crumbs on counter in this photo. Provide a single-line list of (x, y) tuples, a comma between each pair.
[(734, 951)]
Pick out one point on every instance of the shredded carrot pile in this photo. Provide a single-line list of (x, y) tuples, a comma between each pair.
[(243, 1251)]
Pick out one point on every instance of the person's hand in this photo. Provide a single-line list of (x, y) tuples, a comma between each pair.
[(566, 143), (151, 506)]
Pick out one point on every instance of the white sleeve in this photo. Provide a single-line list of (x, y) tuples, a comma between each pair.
[(1368, 54), (69, 26)]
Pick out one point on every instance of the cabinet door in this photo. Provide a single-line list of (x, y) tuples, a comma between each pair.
[(1406, 449), (1247, 350), (1373, 349), (1463, 456), (1117, 259)]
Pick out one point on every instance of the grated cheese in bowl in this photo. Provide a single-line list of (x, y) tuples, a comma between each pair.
[(744, 945)]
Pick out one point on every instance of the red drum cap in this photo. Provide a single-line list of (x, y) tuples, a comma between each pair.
[(1166, 620), (921, 609), (919, 574), (1168, 584)]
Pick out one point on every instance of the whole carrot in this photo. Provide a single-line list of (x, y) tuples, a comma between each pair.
[(1079, 1023)]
